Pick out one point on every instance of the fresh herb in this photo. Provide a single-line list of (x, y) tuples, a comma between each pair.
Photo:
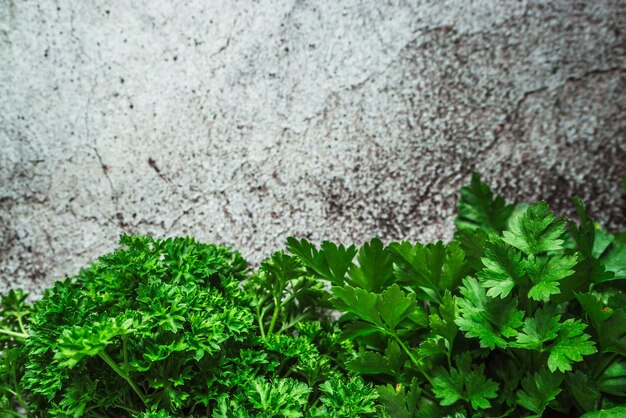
[(163, 328), (523, 313)]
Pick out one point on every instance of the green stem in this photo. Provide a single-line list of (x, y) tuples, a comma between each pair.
[(260, 320), (127, 409), (19, 398), (315, 402), (21, 324), (126, 368), (19, 335), (412, 358), (108, 360), (449, 351), (15, 393), (277, 306)]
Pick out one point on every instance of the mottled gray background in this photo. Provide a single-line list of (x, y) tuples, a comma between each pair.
[(242, 122)]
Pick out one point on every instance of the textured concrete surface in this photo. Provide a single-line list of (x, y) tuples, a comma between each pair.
[(242, 122)]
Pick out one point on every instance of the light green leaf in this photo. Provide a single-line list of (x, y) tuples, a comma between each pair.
[(539, 390), (491, 320), (466, 382), (571, 345), (346, 398), (536, 231), (432, 268), (394, 305), (478, 208), (546, 272), (331, 262), (502, 268), (375, 269), (281, 397), (358, 301), (538, 330)]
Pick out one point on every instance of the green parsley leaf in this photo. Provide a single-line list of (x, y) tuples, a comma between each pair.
[(610, 324), (502, 270), (546, 273), (570, 346), (402, 401), (583, 388), (431, 268), (331, 262), (536, 231), (385, 310), (478, 208), (466, 382), (490, 320), (375, 269), (614, 260), (342, 399), (538, 390), (612, 380), (538, 330), (282, 397), (372, 362)]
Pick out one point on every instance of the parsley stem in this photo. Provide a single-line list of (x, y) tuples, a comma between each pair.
[(125, 353), (314, 404), (413, 359), (20, 335), (127, 409), (277, 306), (19, 398), (259, 319), (108, 360), (21, 324), (17, 395)]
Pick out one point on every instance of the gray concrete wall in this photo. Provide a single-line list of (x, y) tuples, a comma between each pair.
[(243, 122)]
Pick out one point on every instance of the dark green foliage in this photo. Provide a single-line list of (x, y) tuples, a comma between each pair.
[(164, 328), (522, 314), (478, 208)]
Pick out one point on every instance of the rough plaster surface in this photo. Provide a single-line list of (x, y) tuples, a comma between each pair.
[(243, 122)]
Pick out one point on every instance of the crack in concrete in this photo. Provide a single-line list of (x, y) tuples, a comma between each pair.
[(105, 171), (228, 39), (512, 118), (157, 170), (178, 218), (105, 168)]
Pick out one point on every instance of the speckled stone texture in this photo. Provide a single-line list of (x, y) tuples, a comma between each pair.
[(244, 122)]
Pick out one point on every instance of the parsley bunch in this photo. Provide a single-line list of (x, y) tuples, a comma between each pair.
[(163, 328), (522, 314)]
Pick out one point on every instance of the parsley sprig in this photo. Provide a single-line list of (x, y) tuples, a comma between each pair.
[(522, 314)]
